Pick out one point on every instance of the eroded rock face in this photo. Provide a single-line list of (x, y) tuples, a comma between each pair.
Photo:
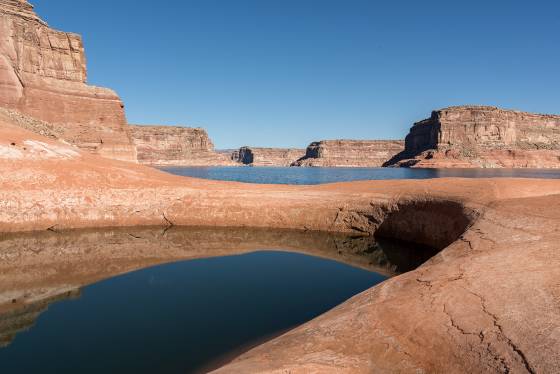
[(350, 153), (267, 156), (175, 146), (483, 136), (43, 74), (487, 303)]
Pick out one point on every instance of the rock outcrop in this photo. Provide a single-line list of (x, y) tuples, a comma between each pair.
[(483, 136), (255, 156), (43, 74), (350, 153), (487, 303), (176, 146)]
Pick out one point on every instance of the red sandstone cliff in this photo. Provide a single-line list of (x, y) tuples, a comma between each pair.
[(256, 156), (176, 146), (483, 136), (43, 74), (350, 153)]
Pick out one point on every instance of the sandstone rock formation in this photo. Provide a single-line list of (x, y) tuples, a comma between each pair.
[(350, 153), (487, 303), (176, 146), (483, 136), (267, 156), (43, 74)]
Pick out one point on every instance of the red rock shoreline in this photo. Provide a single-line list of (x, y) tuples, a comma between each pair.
[(474, 304), (488, 302)]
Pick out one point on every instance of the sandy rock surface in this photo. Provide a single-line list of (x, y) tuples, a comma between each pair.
[(488, 302)]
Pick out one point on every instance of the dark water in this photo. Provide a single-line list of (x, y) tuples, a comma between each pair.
[(296, 175), (182, 317)]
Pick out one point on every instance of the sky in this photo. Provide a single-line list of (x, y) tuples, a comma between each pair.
[(284, 73)]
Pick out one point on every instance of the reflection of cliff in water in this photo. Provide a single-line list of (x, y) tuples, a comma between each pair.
[(36, 266), (23, 317)]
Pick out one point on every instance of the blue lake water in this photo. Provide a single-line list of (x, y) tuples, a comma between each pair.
[(296, 175), (183, 317)]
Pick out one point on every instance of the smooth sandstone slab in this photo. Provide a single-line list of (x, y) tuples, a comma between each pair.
[(489, 302)]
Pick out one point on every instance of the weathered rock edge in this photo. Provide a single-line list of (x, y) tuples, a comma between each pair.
[(487, 303), (482, 136)]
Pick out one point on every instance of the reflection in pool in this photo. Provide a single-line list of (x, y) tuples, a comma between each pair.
[(200, 297)]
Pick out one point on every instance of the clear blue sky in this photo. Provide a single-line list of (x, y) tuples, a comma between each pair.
[(287, 72)]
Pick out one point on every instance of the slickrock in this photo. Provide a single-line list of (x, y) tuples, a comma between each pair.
[(483, 136), (267, 156), (350, 153), (43, 74), (176, 146), (488, 302)]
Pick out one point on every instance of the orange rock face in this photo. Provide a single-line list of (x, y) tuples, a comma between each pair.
[(350, 153), (176, 146), (256, 156), (481, 136), (43, 74), (487, 303)]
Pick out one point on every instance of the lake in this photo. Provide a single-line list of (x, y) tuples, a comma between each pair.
[(181, 300), (296, 175)]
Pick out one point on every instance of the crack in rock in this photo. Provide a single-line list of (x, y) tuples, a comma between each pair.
[(480, 335), (509, 342)]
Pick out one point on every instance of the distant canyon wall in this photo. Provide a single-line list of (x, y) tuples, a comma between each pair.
[(43, 74), (483, 136), (326, 153), (256, 156), (176, 146), (350, 153)]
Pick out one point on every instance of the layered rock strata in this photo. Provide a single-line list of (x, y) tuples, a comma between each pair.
[(483, 136), (176, 146), (43, 74), (350, 153), (472, 308), (255, 156)]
